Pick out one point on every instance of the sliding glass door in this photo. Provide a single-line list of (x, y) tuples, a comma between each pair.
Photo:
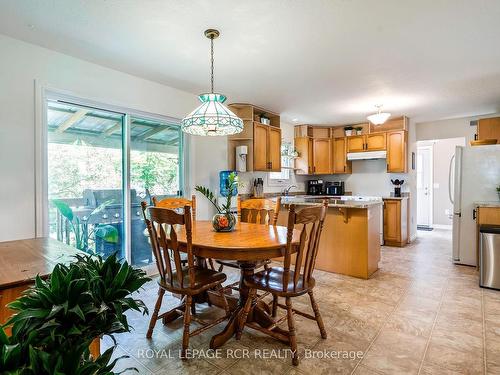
[(155, 170), (95, 159)]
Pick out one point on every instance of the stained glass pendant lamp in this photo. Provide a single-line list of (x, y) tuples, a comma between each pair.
[(212, 117), (380, 117)]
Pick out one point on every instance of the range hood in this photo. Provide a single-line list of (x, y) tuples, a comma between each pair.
[(366, 155)]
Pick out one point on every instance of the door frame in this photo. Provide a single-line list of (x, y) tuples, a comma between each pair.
[(428, 146), (43, 93)]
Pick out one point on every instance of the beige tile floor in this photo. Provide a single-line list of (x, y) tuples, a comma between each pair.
[(419, 314)]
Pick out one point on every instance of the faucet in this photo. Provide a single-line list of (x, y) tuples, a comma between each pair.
[(286, 191)]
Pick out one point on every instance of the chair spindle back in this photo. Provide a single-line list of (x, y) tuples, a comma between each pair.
[(176, 203), (158, 221), (311, 220), (259, 210)]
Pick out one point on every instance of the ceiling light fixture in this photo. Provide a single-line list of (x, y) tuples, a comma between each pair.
[(380, 117), (212, 117)]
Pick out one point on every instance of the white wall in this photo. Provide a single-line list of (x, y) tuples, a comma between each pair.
[(442, 152), (20, 65), (452, 128)]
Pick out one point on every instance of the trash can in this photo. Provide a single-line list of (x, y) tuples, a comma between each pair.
[(489, 256)]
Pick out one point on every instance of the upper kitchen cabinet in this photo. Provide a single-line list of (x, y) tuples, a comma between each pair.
[(304, 163), (322, 156), (315, 150), (368, 142), (396, 152), (339, 160), (488, 128), (261, 134), (311, 143)]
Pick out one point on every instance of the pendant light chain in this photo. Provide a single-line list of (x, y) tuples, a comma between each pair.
[(212, 62)]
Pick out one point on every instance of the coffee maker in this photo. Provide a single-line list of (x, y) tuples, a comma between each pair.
[(335, 188), (314, 187)]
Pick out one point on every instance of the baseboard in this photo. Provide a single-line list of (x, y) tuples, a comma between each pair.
[(443, 226)]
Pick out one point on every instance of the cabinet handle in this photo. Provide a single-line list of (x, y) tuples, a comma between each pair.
[(474, 212), (475, 137), (270, 165), (344, 168), (314, 169)]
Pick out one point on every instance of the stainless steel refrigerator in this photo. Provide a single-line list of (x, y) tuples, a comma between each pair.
[(473, 178)]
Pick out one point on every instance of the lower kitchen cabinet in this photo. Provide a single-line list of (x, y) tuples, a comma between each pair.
[(396, 221)]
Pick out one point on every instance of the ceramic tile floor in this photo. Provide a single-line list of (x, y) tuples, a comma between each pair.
[(419, 314)]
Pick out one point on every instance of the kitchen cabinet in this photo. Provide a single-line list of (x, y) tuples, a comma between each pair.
[(267, 148), (339, 160), (375, 142), (274, 148), (304, 163), (367, 142), (262, 140), (322, 156), (396, 152), (488, 128), (311, 142), (396, 221), (356, 143)]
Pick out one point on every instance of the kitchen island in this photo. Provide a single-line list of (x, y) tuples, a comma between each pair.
[(350, 242)]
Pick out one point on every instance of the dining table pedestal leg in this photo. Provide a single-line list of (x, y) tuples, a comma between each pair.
[(259, 312)]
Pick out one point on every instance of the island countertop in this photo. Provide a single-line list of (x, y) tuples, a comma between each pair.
[(311, 201)]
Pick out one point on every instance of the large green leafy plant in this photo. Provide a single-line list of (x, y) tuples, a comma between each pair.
[(81, 228), (58, 318)]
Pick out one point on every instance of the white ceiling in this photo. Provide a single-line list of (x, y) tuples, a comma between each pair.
[(319, 61)]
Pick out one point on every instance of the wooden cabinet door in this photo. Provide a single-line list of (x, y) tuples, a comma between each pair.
[(340, 163), (303, 163), (392, 220), (260, 159), (375, 142), (356, 143), (322, 156), (489, 128), (274, 149), (396, 152)]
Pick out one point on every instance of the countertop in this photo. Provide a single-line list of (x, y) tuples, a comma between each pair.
[(487, 204), (22, 260), (395, 198), (306, 201)]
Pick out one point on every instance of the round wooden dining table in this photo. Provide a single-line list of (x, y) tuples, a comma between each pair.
[(248, 244)]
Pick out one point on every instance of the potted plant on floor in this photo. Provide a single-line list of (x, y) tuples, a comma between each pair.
[(58, 318), (223, 220)]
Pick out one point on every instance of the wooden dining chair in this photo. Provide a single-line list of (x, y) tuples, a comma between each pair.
[(291, 280), (175, 278), (175, 203), (256, 211)]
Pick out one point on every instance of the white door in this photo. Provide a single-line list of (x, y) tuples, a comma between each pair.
[(424, 185)]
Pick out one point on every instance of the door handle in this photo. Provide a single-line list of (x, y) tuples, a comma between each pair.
[(474, 214)]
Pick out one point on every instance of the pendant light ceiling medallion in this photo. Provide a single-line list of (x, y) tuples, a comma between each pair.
[(380, 117), (212, 117)]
